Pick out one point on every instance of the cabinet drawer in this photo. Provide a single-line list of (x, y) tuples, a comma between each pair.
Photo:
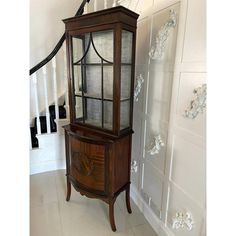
[(87, 164)]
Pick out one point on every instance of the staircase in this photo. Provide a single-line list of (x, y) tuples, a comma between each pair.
[(43, 124), (51, 104), (51, 108)]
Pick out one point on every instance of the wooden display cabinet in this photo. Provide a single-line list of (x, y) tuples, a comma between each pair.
[(101, 61)]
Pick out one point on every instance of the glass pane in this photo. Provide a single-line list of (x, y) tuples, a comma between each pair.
[(124, 114), (126, 58), (125, 82), (103, 44), (77, 44), (126, 47), (108, 82), (77, 80), (78, 108), (92, 47), (93, 77), (92, 84), (93, 113), (108, 111)]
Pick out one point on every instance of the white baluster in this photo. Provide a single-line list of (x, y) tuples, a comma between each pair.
[(30, 143), (95, 5), (34, 77), (105, 4), (66, 83), (46, 99), (55, 88), (86, 8), (114, 3)]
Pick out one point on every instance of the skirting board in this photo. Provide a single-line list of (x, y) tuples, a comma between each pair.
[(50, 155), (37, 168), (153, 220)]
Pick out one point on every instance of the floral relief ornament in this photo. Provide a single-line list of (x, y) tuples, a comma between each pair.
[(198, 104), (139, 82), (134, 166), (157, 51), (183, 220), (156, 145)]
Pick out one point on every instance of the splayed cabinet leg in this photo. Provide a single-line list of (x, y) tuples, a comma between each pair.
[(127, 197), (111, 215), (68, 190)]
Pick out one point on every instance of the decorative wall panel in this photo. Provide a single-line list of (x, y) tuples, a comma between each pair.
[(143, 41), (154, 129), (152, 184), (158, 49), (157, 90), (198, 104), (164, 33), (192, 178), (183, 220), (188, 83), (180, 202), (195, 33)]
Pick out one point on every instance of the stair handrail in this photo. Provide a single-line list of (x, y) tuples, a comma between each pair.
[(58, 45)]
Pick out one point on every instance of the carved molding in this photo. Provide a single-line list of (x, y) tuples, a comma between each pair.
[(139, 82), (134, 166), (183, 221), (198, 104), (158, 50), (155, 145)]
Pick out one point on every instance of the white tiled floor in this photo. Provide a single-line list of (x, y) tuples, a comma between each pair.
[(51, 215)]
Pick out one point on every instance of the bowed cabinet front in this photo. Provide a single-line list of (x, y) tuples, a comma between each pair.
[(98, 167)]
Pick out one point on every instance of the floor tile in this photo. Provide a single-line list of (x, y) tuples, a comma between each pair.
[(52, 215), (122, 204), (45, 220), (42, 189), (128, 232), (83, 219), (142, 230)]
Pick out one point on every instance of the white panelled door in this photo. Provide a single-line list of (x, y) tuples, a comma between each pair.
[(156, 47)]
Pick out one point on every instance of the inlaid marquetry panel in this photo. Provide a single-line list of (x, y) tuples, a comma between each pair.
[(88, 164)]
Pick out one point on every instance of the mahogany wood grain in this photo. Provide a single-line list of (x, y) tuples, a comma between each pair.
[(98, 160)]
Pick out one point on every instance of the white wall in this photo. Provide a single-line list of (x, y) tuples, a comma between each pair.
[(46, 26)]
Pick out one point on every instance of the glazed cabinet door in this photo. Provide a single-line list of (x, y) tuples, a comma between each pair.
[(92, 62)]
